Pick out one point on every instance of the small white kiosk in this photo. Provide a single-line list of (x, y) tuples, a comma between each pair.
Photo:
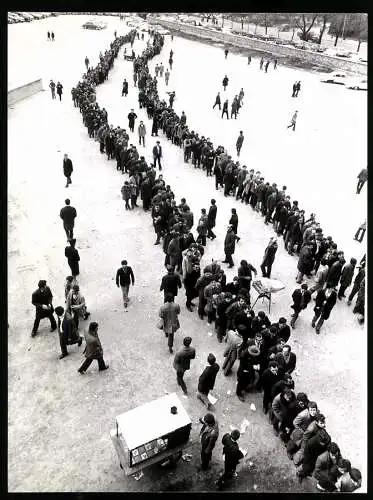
[(151, 433)]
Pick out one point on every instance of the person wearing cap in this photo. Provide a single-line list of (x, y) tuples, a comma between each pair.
[(300, 423), (73, 258), (157, 155), (209, 434), (206, 381), (68, 214), (169, 313), (301, 298), (325, 301), (248, 355), (42, 300), (182, 362), (229, 246), (326, 468), (170, 282), (232, 456), (93, 349), (350, 478), (76, 302)]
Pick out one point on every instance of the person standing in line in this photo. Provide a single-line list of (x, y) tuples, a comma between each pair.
[(182, 362), (209, 434), (42, 300), (202, 228), (125, 88), (52, 36), (233, 221), (131, 120), (357, 282), (170, 282), (123, 280), (229, 246), (75, 303), (68, 214), (346, 277), (293, 121), (157, 155), (73, 258), (52, 86), (232, 456), (169, 313), (225, 109), (217, 101), (67, 169), (86, 61), (269, 257), (206, 381), (167, 76), (360, 233), (134, 81), (142, 132), (93, 350), (59, 88), (211, 219), (301, 298), (239, 142), (325, 301), (362, 178)]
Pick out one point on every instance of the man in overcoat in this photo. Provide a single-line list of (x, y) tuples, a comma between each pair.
[(67, 169), (42, 300), (229, 246), (73, 258), (209, 433), (182, 362), (68, 214), (206, 381), (93, 349)]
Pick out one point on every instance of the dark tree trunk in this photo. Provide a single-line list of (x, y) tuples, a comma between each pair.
[(322, 31)]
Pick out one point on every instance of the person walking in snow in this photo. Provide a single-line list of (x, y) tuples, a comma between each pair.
[(261, 63), (225, 109), (217, 101), (275, 64), (52, 36), (67, 169), (52, 86), (293, 121), (125, 88), (266, 66), (59, 89), (225, 82), (86, 61), (297, 88), (248, 59), (131, 120), (48, 36), (239, 142), (167, 77), (226, 53)]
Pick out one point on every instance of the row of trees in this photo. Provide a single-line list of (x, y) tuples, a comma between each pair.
[(352, 25)]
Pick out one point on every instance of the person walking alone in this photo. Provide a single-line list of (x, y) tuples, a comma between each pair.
[(209, 434), (217, 101), (169, 313), (42, 300), (93, 350), (239, 142), (362, 178), (157, 155), (269, 257), (225, 82), (293, 121), (142, 132), (125, 88), (67, 169), (131, 120), (68, 214), (182, 362), (86, 62), (123, 279)]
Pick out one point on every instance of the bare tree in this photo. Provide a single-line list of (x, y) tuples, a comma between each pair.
[(305, 26), (325, 19)]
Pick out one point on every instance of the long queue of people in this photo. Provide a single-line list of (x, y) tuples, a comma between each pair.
[(265, 358)]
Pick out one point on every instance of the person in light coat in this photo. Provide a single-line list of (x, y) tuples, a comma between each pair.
[(141, 129), (169, 313)]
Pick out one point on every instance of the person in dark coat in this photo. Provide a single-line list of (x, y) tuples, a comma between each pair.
[(146, 194), (209, 433), (326, 468), (314, 446), (67, 169), (233, 221), (206, 381), (229, 246), (190, 281), (170, 282), (232, 456), (362, 178), (157, 155), (131, 120), (68, 214), (301, 298), (346, 277), (42, 300), (59, 86), (248, 356), (155, 125), (93, 350), (245, 274), (211, 218), (182, 362), (217, 101), (225, 82), (239, 142), (225, 109), (335, 273), (267, 380), (73, 258), (218, 176), (305, 262), (123, 279), (357, 282), (286, 359), (68, 332), (125, 88), (283, 329), (269, 257), (325, 301)]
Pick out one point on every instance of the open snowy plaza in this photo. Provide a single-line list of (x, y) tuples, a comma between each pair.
[(59, 421)]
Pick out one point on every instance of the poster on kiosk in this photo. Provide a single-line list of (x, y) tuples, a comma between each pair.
[(150, 433)]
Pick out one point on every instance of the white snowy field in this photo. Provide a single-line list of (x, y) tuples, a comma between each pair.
[(41, 130)]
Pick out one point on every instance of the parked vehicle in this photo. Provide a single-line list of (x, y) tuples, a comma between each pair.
[(94, 25)]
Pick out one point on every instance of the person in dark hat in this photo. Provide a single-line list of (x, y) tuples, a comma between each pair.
[(209, 433), (248, 356), (73, 258), (206, 381), (232, 456), (42, 300)]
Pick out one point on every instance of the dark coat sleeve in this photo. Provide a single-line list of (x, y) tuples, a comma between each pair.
[(132, 276)]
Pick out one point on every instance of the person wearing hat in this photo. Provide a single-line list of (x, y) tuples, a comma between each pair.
[(157, 155), (73, 258), (248, 354), (209, 433), (206, 381), (232, 456), (301, 298), (229, 246), (42, 300), (93, 349)]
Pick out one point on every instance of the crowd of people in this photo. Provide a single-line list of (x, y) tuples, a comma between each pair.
[(260, 346)]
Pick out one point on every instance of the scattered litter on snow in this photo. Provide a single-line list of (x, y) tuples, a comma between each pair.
[(244, 452), (251, 464), (305, 353), (252, 407), (229, 392), (166, 392), (187, 457), (232, 428), (138, 475), (244, 425), (212, 398), (210, 334)]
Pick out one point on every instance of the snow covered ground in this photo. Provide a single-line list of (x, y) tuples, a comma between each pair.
[(53, 414)]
